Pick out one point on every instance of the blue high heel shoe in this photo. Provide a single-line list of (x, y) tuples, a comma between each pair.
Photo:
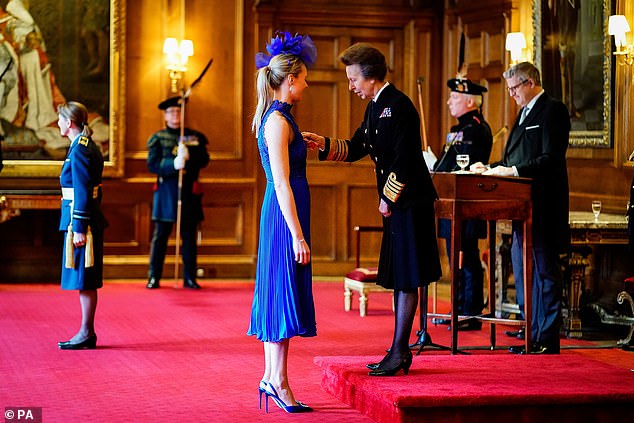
[(262, 390), (271, 392)]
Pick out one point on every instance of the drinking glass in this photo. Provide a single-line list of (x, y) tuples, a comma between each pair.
[(596, 209), (463, 161)]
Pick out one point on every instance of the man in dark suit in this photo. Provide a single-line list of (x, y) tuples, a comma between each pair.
[(536, 149)]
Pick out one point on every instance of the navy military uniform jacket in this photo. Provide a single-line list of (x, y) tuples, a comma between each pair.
[(162, 149), (80, 179), (390, 135), (81, 173), (472, 136)]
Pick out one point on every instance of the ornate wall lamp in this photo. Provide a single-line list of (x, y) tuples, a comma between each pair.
[(177, 55), (516, 43), (618, 26)]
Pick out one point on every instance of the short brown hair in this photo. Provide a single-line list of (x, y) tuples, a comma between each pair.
[(370, 60)]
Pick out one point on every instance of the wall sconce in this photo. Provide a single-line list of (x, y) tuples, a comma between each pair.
[(515, 43), (177, 55), (618, 26)]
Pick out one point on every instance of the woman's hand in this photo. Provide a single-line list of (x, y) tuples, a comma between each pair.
[(79, 240), (384, 208), (314, 141), (302, 251)]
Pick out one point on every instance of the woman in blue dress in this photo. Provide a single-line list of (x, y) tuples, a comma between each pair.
[(283, 301), (81, 220)]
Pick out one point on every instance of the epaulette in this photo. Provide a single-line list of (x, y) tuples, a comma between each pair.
[(83, 140)]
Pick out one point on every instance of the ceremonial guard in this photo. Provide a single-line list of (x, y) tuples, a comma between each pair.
[(166, 157), (472, 136)]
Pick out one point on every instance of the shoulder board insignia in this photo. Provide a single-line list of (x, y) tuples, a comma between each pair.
[(83, 141)]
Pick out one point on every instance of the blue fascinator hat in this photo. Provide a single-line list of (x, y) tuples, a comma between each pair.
[(284, 43)]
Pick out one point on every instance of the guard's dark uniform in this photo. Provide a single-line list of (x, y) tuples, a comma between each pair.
[(472, 136), (162, 149), (80, 179), (390, 135)]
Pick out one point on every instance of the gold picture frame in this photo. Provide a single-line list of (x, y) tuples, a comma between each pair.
[(76, 36), (572, 51)]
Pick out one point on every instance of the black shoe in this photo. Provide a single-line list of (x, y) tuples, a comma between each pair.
[(405, 363), (89, 343), (191, 284), (153, 283), (515, 334), (536, 349)]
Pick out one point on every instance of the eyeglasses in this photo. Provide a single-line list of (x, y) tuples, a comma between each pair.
[(515, 87)]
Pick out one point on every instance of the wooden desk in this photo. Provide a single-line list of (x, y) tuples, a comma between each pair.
[(491, 198), (587, 233), (12, 201)]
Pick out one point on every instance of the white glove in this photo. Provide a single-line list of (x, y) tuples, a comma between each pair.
[(430, 158), (179, 162), (183, 151)]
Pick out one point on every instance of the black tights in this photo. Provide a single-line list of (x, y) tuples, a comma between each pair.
[(405, 304)]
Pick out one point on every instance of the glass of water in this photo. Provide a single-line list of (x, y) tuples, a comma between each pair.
[(596, 209), (463, 161)]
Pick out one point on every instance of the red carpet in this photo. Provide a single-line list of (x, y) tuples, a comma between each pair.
[(183, 356), (485, 388)]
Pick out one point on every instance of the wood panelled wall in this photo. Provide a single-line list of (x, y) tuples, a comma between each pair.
[(420, 38)]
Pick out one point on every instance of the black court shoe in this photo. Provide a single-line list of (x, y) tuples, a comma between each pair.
[(405, 363), (89, 343)]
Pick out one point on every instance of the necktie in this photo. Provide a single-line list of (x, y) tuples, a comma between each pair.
[(525, 111)]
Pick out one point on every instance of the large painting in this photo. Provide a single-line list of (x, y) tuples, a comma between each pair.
[(52, 51), (572, 49)]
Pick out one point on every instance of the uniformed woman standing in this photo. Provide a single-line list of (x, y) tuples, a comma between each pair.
[(81, 220), (390, 135)]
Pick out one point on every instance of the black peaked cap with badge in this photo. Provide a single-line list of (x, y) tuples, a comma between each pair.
[(170, 102), (465, 86)]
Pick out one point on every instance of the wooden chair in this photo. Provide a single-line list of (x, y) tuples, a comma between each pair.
[(361, 279)]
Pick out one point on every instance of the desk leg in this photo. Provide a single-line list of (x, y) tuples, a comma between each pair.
[(491, 277), (456, 244), (528, 279), (577, 264)]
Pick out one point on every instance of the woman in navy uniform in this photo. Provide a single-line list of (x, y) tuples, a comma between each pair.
[(166, 157), (390, 135), (81, 220)]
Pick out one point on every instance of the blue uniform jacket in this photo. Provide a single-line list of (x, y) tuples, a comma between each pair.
[(82, 172)]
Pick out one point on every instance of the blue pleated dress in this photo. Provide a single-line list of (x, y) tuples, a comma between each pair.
[(283, 299)]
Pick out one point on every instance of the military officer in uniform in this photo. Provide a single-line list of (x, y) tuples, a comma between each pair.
[(166, 157), (472, 136), (81, 220), (390, 135)]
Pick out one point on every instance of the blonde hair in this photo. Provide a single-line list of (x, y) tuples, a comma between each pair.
[(270, 78), (77, 114)]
